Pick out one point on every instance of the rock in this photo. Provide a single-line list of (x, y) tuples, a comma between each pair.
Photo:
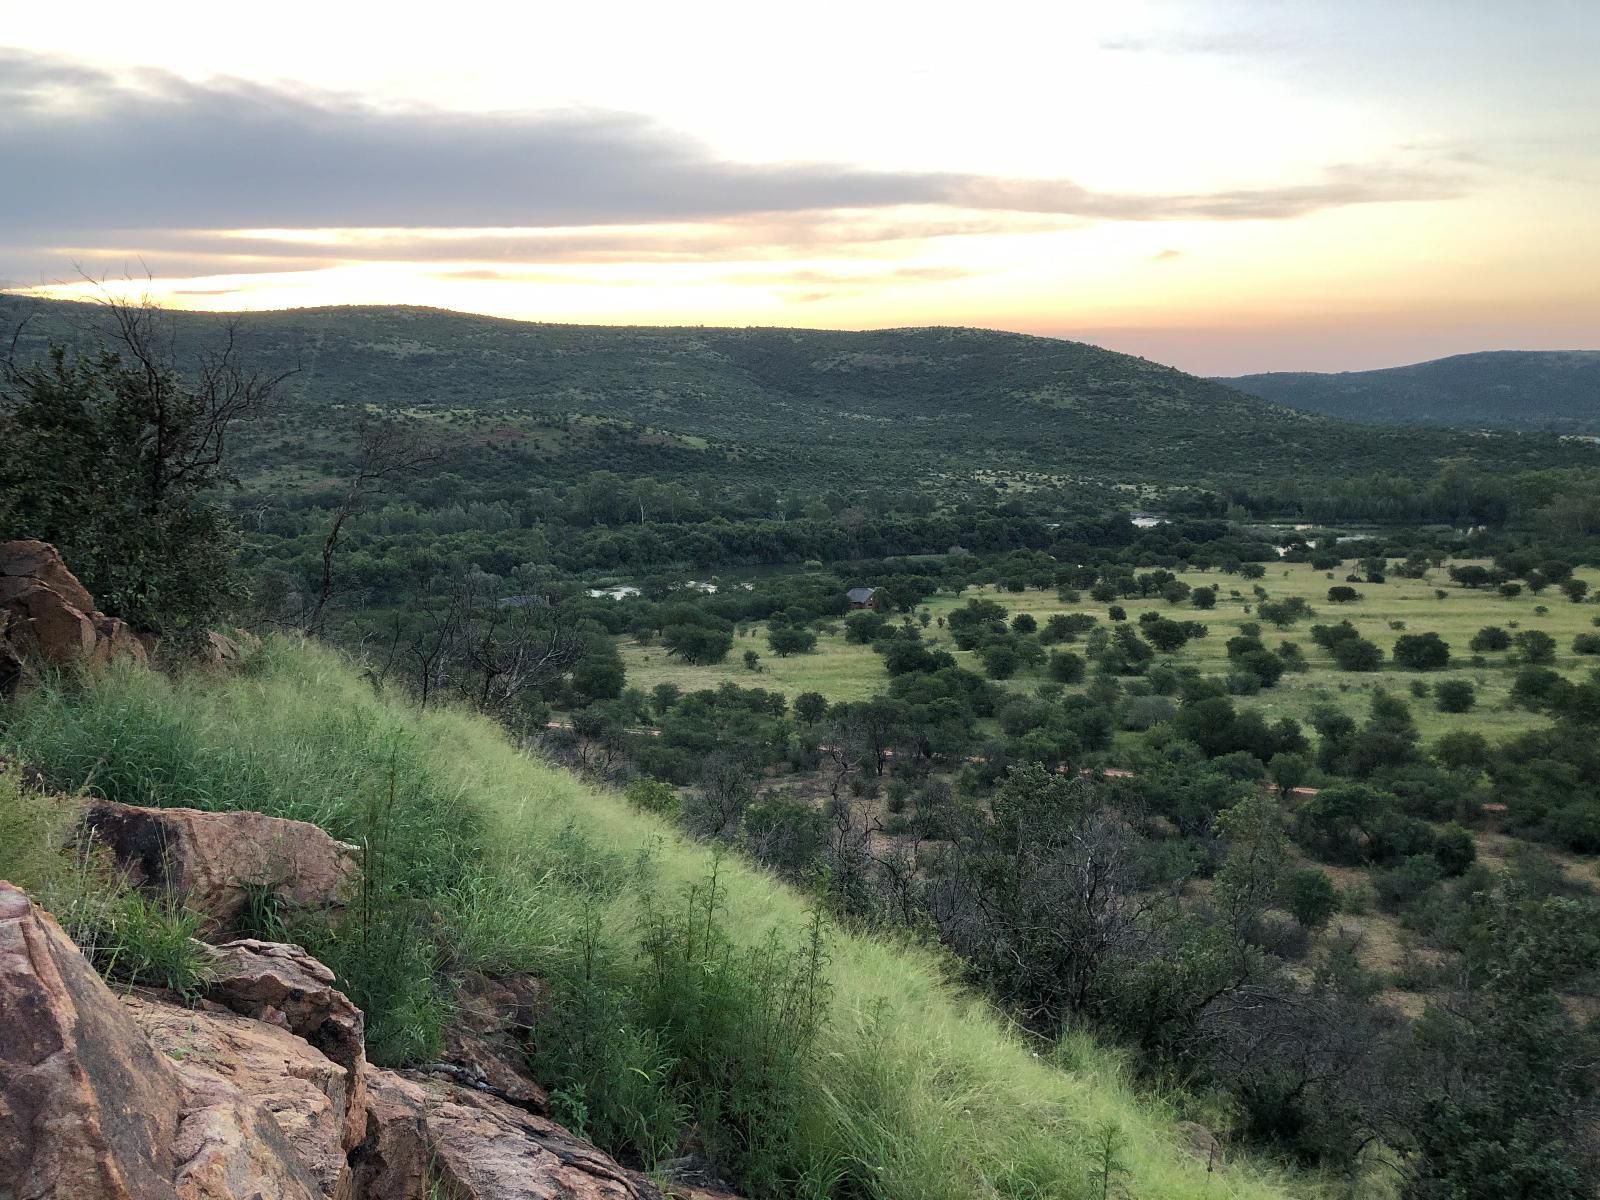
[(282, 984), (1200, 1142), (421, 1131), (88, 1111), (46, 614), (258, 1099), (24, 562), (488, 1040), (219, 862)]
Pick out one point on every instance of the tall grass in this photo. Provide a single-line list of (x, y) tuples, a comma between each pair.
[(857, 1068)]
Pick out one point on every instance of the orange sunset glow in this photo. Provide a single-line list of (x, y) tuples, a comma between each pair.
[(1223, 186)]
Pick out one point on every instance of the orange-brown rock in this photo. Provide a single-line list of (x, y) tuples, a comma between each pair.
[(28, 562), (257, 1099), (422, 1131), (219, 863), (47, 615), (88, 1111)]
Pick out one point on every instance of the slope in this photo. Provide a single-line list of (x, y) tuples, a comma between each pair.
[(779, 404), (917, 1090), (1556, 390)]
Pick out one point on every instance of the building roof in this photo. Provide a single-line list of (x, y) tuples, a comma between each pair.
[(861, 595)]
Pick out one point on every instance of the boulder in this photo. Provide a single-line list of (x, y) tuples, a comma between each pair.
[(219, 863), (281, 984), (48, 615), (257, 1100), (423, 1132), (25, 562), (88, 1111)]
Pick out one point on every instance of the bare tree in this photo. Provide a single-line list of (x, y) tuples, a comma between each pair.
[(385, 450)]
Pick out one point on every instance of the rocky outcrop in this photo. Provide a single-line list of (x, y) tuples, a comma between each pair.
[(220, 863), (88, 1110), (48, 617), (262, 1092), (423, 1131), (258, 1096), (282, 985)]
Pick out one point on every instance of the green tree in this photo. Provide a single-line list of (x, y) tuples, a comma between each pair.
[(1422, 652), (116, 456), (791, 639)]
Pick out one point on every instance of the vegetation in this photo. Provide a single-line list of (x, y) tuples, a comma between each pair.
[(1500, 389), (895, 1085)]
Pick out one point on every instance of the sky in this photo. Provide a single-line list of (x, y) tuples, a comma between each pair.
[(1226, 186)]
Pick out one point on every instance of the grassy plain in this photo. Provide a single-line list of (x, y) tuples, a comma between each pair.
[(842, 671)]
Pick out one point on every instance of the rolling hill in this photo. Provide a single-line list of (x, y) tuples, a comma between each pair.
[(782, 403), (1555, 390)]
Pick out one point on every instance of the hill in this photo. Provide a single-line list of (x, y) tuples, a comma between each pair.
[(911, 1090), (780, 404), (1555, 390)]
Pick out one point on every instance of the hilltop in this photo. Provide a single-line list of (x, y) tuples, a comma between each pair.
[(1556, 390), (776, 403)]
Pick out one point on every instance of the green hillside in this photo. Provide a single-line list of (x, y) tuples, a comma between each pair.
[(913, 1089), (778, 404), (1557, 390)]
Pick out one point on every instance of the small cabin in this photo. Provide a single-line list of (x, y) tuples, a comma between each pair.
[(861, 597)]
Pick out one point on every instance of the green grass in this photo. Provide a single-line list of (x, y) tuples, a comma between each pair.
[(917, 1090), (842, 671)]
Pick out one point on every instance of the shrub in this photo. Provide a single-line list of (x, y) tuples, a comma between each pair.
[(1422, 652), (1066, 667), (1586, 643), (1535, 647), (1490, 638), (1455, 695), (1343, 594), (1310, 897)]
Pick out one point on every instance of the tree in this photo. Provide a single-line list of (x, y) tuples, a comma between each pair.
[(810, 707), (115, 457), (1535, 647), (1343, 594), (791, 639), (699, 644), (1422, 652), (1066, 667), (1575, 589)]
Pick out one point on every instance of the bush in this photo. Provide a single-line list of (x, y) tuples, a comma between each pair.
[(1356, 654), (1586, 643), (1455, 695), (1343, 594), (1490, 638), (1066, 667), (1310, 897), (1422, 652), (1535, 648)]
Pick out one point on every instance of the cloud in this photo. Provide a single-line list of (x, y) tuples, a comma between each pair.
[(89, 153), (1166, 255)]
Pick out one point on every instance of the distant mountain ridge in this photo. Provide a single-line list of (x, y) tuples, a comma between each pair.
[(767, 401), (1553, 390)]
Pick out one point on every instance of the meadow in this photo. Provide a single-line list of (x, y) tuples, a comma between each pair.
[(843, 671)]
